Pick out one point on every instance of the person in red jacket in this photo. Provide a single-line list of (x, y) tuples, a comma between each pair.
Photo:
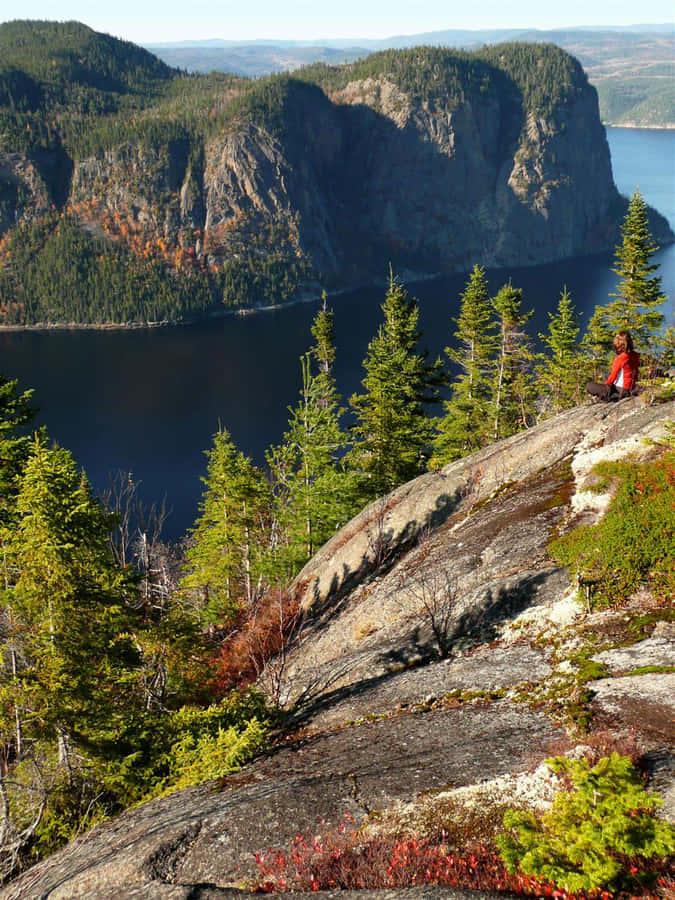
[(624, 372)]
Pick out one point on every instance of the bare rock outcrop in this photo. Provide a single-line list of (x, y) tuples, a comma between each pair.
[(384, 728), (23, 191), (208, 835)]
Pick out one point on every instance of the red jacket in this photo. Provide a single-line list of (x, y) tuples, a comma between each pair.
[(624, 370)]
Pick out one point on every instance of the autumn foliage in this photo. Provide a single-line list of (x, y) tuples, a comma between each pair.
[(261, 636), (341, 859)]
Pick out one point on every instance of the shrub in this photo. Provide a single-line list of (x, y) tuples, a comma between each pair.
[(339, 860), (209, 743), (595, 833), (259, 644), (342, 859), (194, 760), (634, 541)]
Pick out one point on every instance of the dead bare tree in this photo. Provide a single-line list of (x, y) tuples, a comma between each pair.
[(29, 796), (431, 587), (136, 541), (381, 547)]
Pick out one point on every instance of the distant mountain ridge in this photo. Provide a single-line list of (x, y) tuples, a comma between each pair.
[(632, 67), (478, 35), (130, 191)]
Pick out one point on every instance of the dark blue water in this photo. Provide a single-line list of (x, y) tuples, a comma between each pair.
[(149, 401)]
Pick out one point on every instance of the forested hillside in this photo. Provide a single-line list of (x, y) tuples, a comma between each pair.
[(631, 68), (189, 193)]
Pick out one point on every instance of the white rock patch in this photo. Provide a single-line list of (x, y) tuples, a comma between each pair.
[(553, 615), (655, 651)]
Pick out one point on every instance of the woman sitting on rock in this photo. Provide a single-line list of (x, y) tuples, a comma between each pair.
[(623, 375)]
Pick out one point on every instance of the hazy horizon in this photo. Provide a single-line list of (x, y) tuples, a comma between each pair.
[(156, 22)]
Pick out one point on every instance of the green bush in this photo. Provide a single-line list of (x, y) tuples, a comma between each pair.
[(208, 743), (593, 831), (194, 760), (635, 540)]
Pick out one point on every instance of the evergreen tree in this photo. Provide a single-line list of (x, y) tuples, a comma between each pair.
[(15, 413), (312, 493), (224, 561), (639, 294), (465, 425), (78, 658), (596, 345), (392, 431), (667, 348), (513, 393), (560, 370), (324, 348)]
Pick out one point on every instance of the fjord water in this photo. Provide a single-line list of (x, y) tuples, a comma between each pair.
[(148, 401)]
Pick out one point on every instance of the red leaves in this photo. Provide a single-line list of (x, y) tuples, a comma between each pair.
[(259, 636), (341, 859)]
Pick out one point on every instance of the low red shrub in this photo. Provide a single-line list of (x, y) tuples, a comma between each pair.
[(340, 860)]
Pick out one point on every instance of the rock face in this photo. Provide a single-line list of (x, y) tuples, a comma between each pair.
[(23, 192), (435, 548), (345, 177), (386, 730), (371, 176)]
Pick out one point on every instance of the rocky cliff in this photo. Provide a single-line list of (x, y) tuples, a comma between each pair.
[(367, 173), (425, 158), (386, 729)]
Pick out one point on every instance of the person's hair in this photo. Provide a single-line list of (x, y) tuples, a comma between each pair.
[(623, 342)]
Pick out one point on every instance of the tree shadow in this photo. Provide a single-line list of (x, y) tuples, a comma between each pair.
[(385, 546), (475, 627)]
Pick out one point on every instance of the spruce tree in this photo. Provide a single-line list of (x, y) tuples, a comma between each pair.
[(393, 433), (559, 373), (79, 660), (465, 424), (596, 345), (639, 295), (223, 562), (512, 405), (15, 413), (312, 490)]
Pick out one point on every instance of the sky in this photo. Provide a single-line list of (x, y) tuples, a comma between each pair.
[(153, 21)]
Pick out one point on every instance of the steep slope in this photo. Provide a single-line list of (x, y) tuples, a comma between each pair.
[(425, 158), (387, 731)]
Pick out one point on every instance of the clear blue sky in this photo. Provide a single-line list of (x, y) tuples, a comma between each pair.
[(148, 21)]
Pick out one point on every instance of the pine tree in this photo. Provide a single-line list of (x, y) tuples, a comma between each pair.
[(559, 373), (465, 424), (639, 294), (513, 394), (312, 490), (224, 561), (392, 433)]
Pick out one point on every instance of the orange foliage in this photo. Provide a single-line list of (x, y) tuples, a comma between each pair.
[(262, 633)]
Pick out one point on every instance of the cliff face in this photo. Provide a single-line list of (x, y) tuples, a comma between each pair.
[(23, 192), (387, 731), (370, 175), (350, 169)]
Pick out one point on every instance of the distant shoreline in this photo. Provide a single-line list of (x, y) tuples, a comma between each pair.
[(668, 127), (307, 297)]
